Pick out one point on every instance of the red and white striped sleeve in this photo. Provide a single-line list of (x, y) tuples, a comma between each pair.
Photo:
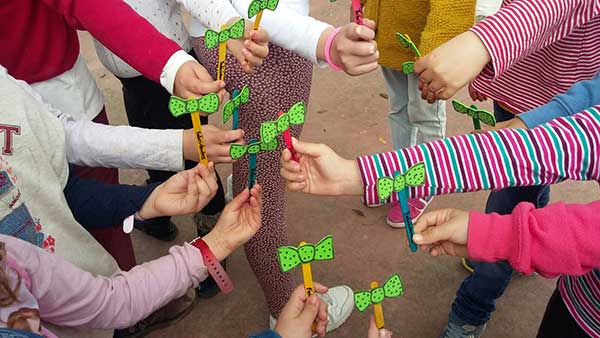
[(522, 27)]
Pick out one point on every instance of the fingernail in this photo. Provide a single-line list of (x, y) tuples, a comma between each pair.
[(247, 43), (253, 34), (372, 50), (417, 238)]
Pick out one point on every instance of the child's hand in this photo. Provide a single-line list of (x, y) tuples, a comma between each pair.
[(320, 171), (239, 221), (185, 193), (354, 48), (193, 80), (374, 332), (217, 143), (297, 317), (444, 232), (451, 66), (252, 49)]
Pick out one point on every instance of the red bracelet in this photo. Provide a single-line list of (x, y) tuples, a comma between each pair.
[(213, 266)]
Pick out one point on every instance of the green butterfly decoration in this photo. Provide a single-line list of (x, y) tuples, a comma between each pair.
[(237, 150), (415, 176), (408, 43), (270, 129), (235, 31), (391, 288), (476, 114), (259, 5), (208, 103), (235, 102), (290, 256)]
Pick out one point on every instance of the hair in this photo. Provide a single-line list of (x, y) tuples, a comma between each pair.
[(8, 295)]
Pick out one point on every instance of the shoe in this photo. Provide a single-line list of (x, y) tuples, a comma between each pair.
[(466, 263), (229, 193), (340, 301), (416, 206), (167, 315), (462, 330), (162, 228), (208, 288)]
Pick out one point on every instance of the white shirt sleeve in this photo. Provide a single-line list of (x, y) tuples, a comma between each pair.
[(211, 13), (98, 145)]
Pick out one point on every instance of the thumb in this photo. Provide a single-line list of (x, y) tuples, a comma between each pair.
[(238, 201), (357, 32), (434, 234), (310, 149), (310, 310)]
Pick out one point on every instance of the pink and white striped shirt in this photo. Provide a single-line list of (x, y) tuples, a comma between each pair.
[(539, 48)]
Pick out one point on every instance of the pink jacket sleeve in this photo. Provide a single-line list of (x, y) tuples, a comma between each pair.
[(69, 296), (525, 26), (120, 29), (561, 239)]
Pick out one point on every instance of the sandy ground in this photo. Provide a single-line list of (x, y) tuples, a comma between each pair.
[(358, 108)]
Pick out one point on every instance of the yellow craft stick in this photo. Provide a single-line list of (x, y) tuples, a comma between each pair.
[(378, 309), (257, 21), (199, 138), (307, 274), (222, 58)]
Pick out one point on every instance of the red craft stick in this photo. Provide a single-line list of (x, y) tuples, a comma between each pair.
[(287, 138)]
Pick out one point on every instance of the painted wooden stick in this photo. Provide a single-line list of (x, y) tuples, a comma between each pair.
[(195, 116), (307, 276), (408, 224), (258, 18), (235, 115), (378, 309), (357, 12), (251, 168), (222, 58), (287, 138)]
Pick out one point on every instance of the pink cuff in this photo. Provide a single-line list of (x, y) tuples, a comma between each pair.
[(491, 237), (328, 50)]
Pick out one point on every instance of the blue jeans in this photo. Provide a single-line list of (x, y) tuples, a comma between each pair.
[(476, 298)]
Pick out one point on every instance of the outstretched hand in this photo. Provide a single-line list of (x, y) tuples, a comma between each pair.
[(252, 49), (320, 171), (239, 221), (443, 232), (297, 317), (185, 193)]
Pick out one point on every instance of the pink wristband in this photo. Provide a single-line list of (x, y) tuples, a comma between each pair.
[(328, 50)]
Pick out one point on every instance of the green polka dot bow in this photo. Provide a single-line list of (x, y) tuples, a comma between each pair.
[(415, 176), (478, 115), (259, 5), (237, 150), (235, 31), (391, 288), (290, 256), (235, 102), (208, 103), (269, 130), (406, 42)]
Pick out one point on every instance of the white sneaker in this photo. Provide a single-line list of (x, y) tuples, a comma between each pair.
[(340, 301), (229, 191)]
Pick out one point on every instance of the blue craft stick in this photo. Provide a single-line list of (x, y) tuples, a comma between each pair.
[(251, 167), (408, 224), (235, 123)]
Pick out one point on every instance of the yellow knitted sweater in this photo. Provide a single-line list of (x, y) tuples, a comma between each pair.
[(429, 23)]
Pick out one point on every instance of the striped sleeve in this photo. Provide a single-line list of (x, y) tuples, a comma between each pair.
[(566, 148), (523, 27)]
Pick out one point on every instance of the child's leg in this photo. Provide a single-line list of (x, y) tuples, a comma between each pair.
[(558, 321), (476, 298), (283, 80), (114, 240), (412, 120)]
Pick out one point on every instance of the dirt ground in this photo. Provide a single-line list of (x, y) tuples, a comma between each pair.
[(357, 108)]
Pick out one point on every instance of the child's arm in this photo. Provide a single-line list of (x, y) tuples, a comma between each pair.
[(69, 296), (117, 26), (566, 148), (96, 204), (558, 239), (581, 95)]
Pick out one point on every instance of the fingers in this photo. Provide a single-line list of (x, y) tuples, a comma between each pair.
[(310, 310), (431, 218), (369, 23), (238, 201), (290, 169), (358, 32), (373, 330), (259, 36), (438, 230)]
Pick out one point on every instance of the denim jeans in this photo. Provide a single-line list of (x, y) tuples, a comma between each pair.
[(412, 120), (476, 298)]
